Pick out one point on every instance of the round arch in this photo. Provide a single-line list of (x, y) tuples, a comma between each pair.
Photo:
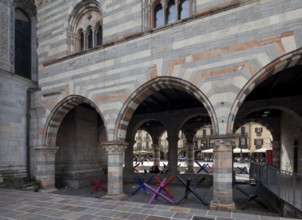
[(147, 89), (57, 115), (137, 125), (286, 61), (274, 133), (77, 10)]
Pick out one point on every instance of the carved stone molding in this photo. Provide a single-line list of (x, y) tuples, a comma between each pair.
[(114, 147), (40, 3)]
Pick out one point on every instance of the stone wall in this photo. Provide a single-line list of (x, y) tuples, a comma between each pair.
[(217, 53), (13, 125), (6, 36)]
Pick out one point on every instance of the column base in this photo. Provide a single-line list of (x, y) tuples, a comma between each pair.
[(47, 190), (229, 207), (115, 197), (189, 171)]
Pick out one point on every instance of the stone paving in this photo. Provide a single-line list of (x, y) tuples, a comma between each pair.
[(17, 204)]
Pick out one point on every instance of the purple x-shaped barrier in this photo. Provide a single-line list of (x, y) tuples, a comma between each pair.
[(156, 192)]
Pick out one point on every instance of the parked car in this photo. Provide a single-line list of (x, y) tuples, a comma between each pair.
[(182, 158)]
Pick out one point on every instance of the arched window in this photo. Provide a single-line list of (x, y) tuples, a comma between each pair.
[(81, 34), (86, 17), (89, 37), (184, 9), (22, 44), (100, 36), (168, 11), (171, 12), (158, 16)]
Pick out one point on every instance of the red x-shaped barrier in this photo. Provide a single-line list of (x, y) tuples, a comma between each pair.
[(97, 185), (164, 186), (134, 167)]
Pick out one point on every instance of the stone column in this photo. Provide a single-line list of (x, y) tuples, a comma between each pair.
[(172, 155), (129, 157), (45, 167), (164, 6), (177, 9), (85, 40), (116, 152), (222, 175), (156, 159), (190, 158), (93, 37), (276, 145)]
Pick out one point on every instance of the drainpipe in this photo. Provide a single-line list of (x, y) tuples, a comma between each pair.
[(28, 103)]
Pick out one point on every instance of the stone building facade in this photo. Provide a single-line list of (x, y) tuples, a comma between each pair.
[(104, 69)]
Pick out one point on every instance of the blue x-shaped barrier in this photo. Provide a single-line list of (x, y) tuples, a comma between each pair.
[(140, 184), (243, 170), (202, 167)]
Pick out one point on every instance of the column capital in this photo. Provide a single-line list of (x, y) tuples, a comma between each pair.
[(46, 149), (223, 140), (164, 3), (155, 147), (171, 139), (114, 146)]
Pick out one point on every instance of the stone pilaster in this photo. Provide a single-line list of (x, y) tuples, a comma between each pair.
[(116, 152), (156, 149), (222, 175), (45, 167), (190, 158)]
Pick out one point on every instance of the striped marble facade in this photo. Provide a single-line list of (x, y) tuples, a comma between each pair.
[(218, 56)]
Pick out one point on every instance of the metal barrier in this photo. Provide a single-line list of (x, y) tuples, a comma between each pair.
[(286, 185)]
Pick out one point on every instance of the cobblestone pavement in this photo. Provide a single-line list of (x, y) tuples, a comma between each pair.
[(17, 204)]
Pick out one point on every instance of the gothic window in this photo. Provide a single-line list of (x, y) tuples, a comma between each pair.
[(22, 44), (85, 26), (89, 38), (81, 40), (158, 16), (100, 36), (184, 9), (171, 12), (168, 11)]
